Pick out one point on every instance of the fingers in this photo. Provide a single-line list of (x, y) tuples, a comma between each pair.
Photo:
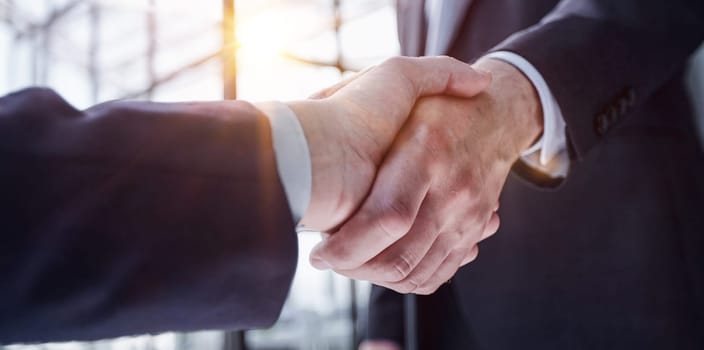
[(492, 226), (379, 345), (424, 270), (471, 256), (396, 262), (385, 216), (443, 272), (441, 75), (427, 76), (411, 261), (446, 270), (489, 230)]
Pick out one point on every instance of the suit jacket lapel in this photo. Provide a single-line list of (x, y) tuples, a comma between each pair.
[(455, 19), (411, 27)]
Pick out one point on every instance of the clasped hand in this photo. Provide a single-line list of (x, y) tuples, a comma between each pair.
[(408, 159)]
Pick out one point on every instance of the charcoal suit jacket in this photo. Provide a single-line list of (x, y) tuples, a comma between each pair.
[(132, 218), (611, 257)]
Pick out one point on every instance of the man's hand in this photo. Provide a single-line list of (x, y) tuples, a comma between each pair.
[(436, 194), (351, 126), (379, 345)]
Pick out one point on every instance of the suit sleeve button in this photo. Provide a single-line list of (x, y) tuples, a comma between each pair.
[(630, 97), (623, 106), (601, 124), (613, 114)]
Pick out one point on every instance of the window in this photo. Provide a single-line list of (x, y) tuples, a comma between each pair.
[(91, 51)]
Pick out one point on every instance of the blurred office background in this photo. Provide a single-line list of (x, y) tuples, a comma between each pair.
[(173, 50), (92, 51)]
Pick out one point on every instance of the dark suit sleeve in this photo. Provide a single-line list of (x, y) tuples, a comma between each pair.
[(133, 218), (386, 316), (439, 319), (603, 58)]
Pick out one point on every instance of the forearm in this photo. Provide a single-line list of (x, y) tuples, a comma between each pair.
[(131, 218)]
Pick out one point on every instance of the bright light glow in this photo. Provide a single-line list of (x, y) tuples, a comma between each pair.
[(264, 35), (269, 31)]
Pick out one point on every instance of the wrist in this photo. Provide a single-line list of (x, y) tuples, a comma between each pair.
[(519, 103), (324, 174), (337, 175)]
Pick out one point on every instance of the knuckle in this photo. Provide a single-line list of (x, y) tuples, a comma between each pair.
[(393, 60), (396, 220), (473, 254), (427, 289), (397, 62), (447, 242), (337, 255), (470, 195), (405, 287), (441, 58), (432, 138), (412, 282), (474, 219), (401, 267), (450, 241), (452, 244), (465, 192), (491, 229), (474, 251)]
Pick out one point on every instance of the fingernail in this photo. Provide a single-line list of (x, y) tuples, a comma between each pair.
[(320, 264)]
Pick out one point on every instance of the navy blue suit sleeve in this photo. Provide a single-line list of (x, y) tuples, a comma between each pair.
[(133, 218), (387, 319), (603, 58), (386, 316)]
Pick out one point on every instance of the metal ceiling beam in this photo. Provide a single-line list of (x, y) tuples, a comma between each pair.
[(229, 50)]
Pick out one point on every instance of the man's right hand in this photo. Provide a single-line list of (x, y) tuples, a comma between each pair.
[(351, 126), (436, 195)]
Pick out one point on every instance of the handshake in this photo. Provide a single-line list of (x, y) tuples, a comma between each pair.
[(408, 160)]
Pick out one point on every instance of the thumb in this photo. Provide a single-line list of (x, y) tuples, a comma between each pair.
[(329, 91), (442, 75)]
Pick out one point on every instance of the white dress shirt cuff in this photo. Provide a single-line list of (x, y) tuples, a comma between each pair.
[(549, 153), (292, 155)]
